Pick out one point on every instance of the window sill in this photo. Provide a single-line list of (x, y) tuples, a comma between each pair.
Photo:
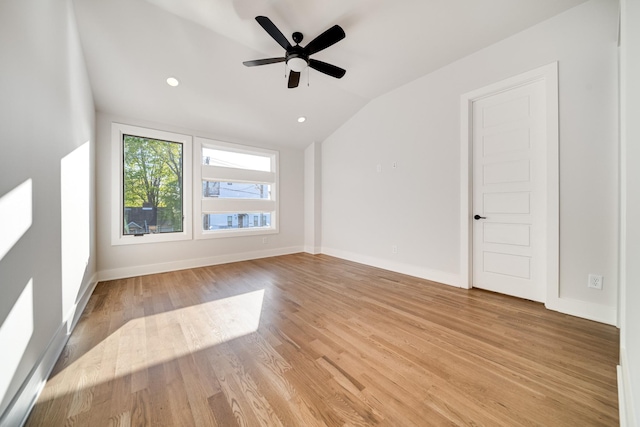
[(131, 239)]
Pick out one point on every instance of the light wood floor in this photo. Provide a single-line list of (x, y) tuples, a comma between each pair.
[(305, 340)]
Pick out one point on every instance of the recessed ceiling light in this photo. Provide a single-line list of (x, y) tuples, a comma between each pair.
[(302, 119), (172, 81)]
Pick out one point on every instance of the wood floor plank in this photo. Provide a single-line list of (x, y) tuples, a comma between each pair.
[(221, 410), (302, 340)]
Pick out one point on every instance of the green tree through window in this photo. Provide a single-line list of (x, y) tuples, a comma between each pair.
[(153, 172)]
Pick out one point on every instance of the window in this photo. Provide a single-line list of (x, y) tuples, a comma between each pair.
[(150, 191), (238, 189)]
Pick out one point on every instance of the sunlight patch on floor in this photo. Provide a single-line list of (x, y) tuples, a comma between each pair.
[(155, 339)]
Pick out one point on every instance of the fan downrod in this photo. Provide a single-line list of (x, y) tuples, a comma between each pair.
[(297, 37)]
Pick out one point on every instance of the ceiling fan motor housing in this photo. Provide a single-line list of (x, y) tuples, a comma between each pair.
[(296, 59)]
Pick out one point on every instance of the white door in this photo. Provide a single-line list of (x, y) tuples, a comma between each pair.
[(509, 181)]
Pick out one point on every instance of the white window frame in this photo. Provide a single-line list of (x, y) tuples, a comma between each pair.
[(118, 131), (231, 206)]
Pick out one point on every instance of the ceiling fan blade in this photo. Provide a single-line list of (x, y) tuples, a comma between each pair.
[(273, 31), (266, 61), (328, 69), (331, 36), (294, 79)]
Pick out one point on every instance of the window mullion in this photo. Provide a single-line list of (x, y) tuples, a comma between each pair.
[(216, 173), (212, 205)]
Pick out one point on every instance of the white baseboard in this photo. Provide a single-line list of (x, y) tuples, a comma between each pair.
[(586, 310), (313, 250), (408, 269), (18, 410), (625, 398), (71, 319), (141, 270)]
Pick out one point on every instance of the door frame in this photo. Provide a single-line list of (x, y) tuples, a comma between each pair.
[(548, 74)]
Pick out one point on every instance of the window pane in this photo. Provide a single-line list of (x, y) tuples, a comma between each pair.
[(152, 186), (231, 159), (235, 190), (225, 221)]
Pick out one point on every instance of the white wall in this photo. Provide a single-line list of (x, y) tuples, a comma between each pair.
[(46, 141), (629, 374), (131, 260), (416, 205), (312, 197)]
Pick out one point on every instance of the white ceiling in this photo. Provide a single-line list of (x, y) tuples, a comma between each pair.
[(132, 46)]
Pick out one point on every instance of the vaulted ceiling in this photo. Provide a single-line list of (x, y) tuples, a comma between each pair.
[(132, 46)]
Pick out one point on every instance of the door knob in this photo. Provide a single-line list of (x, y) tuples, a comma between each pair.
[(477, 217)]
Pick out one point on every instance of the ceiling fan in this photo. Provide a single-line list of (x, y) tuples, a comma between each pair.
[(297, 57)]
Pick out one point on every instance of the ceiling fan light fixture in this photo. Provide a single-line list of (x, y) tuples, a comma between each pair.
[(297, 64)]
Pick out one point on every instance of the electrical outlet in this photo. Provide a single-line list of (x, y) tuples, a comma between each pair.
[(595, 281), (378, 168), (394, 249), (265, 240)]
